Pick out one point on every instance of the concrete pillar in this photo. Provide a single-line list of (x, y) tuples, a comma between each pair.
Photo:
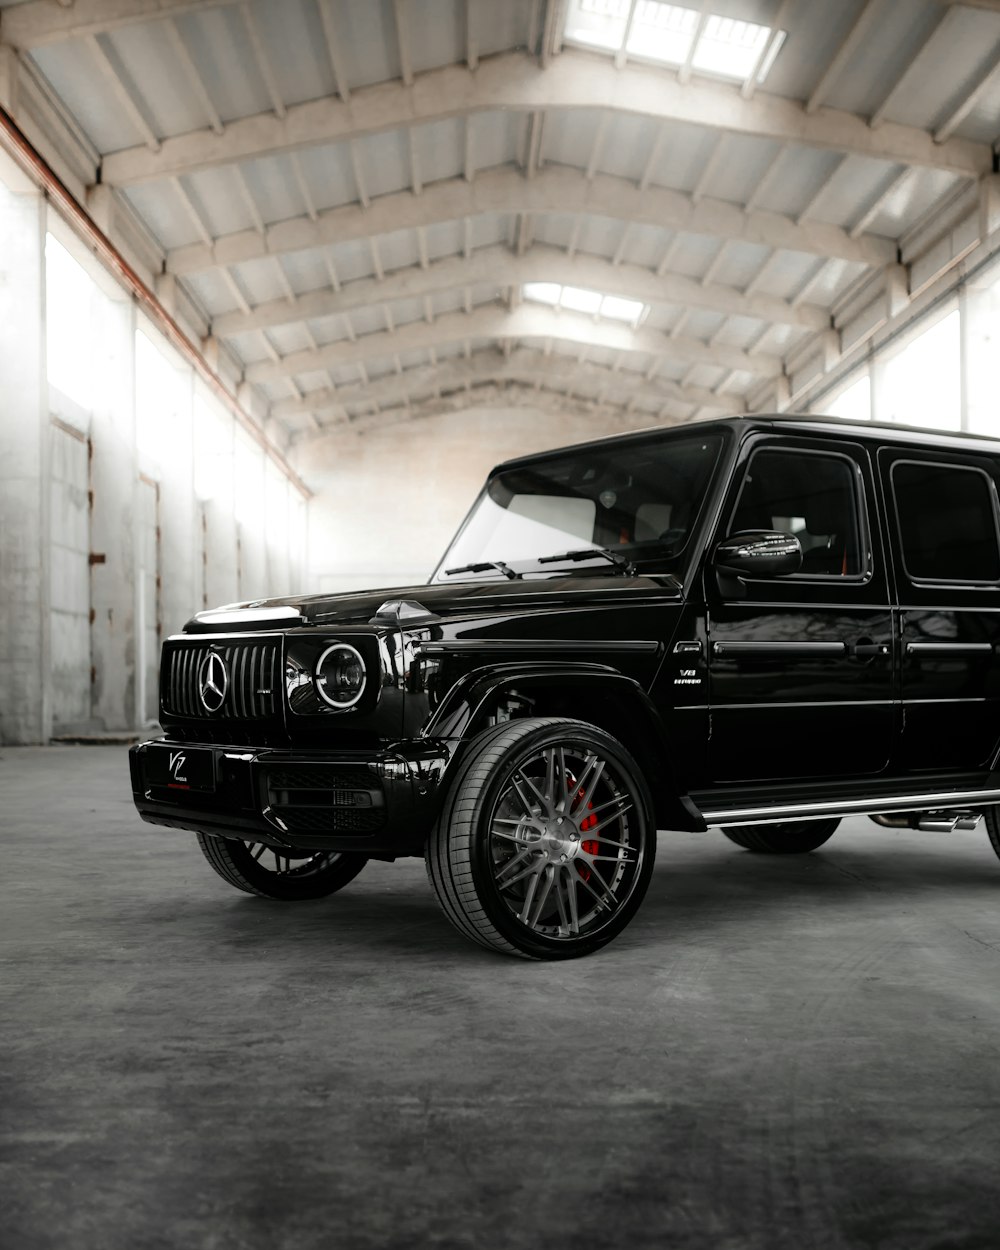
[(980, 306), (249, 495), (25, 708), (180, 541), (220, 557), (113, 483)]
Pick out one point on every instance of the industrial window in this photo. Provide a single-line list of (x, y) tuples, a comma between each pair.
[(811, 495), (922, 383), (854, 402), (675, 35), (947, 522)]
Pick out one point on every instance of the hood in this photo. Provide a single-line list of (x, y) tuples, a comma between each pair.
[(425, 604)]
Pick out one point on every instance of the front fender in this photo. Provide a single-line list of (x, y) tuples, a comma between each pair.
[(596, 693)]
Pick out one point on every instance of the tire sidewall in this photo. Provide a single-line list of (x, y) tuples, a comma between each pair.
[(567, 733), (332, 877)]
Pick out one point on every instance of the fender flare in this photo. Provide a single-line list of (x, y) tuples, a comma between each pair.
[(463, 713)]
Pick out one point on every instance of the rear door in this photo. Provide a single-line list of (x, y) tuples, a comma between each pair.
[(801, 667), (944, 536)]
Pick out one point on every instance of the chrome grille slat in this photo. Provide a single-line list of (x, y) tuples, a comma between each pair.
[(249, 664)]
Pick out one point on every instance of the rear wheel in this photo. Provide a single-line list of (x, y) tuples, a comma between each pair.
[(544, 846), (991, 818), (792, 837), (280, 872)]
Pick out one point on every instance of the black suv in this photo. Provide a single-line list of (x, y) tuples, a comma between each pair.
[(760, 623)]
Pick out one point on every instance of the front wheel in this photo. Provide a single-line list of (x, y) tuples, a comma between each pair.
[(544, 846), (791, 837), (280, 872)]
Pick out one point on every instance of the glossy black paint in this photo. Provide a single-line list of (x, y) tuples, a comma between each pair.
[(779, 693)]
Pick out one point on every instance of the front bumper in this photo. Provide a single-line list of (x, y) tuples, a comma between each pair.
[(379, 802)]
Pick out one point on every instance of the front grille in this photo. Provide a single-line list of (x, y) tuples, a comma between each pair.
[(254, 673)]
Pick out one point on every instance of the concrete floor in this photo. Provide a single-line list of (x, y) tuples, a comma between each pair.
[(777, 1053)]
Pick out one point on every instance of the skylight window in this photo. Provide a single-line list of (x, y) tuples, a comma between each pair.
[(543, 292), (579, 299), (676, 35), (576, 299), (662, 32), (729, 47), (599, 23)]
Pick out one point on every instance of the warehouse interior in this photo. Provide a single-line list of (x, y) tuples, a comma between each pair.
[(280, 281)]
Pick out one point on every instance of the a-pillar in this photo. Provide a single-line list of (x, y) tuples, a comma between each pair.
[(25, 704)]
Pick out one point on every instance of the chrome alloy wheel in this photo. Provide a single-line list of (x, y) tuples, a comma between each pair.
[(565, 841), (294, 865)]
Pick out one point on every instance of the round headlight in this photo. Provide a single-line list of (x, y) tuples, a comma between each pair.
[(340, 676)]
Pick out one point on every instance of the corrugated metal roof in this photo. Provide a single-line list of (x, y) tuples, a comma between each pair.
[(322, 171)]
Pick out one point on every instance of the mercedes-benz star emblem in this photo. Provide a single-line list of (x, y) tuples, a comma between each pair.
[(213, 682)]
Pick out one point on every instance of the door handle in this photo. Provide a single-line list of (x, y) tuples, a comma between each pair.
[(866, 649)]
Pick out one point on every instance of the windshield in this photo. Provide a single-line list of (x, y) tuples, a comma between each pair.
[(639, 499)]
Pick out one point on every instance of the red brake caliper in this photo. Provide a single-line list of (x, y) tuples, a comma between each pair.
[(589, 845)]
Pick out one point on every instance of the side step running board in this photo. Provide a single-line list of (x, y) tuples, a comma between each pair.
[(938, 804)]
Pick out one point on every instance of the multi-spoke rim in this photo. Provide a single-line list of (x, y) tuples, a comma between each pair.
[(288, 863), (566, 842)]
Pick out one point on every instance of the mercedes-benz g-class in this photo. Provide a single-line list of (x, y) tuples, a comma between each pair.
[(760, 623)]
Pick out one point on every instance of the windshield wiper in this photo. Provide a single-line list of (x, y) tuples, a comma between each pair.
[(484, 567), (588, 553)]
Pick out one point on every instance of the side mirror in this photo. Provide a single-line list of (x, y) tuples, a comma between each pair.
[(754, 553)]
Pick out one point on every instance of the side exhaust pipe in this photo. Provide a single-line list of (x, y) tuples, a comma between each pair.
[(939, 821)]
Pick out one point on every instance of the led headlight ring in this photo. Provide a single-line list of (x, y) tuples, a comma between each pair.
[(340, 693)]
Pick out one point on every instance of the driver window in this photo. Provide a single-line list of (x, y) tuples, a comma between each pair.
[(810, 495)]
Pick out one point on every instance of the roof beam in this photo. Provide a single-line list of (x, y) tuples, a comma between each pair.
[(128, 101), (969, 101), (512, 82), (471, 43), (402, 41), (524, 364), (529, 321), (40, 22), (194, 76), (991, 6), (505, 393), (921, 57), (263, 60), (769, 50), (843, 55), (333, 50), (552, 190), (495, 265)]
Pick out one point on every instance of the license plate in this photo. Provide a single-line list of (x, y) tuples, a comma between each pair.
[(180, 768)]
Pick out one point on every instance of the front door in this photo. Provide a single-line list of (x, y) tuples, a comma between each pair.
[(943, 528), (801, 667)]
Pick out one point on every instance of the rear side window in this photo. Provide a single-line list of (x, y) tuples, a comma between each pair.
[(811, 495), (947, 522)]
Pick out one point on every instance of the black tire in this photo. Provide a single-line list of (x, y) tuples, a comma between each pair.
[(791, 837), (525, 797), (296, 874)]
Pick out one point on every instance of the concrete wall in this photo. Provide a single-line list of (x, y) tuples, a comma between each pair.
[(106, 545), (25, 707), (388, 500)]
